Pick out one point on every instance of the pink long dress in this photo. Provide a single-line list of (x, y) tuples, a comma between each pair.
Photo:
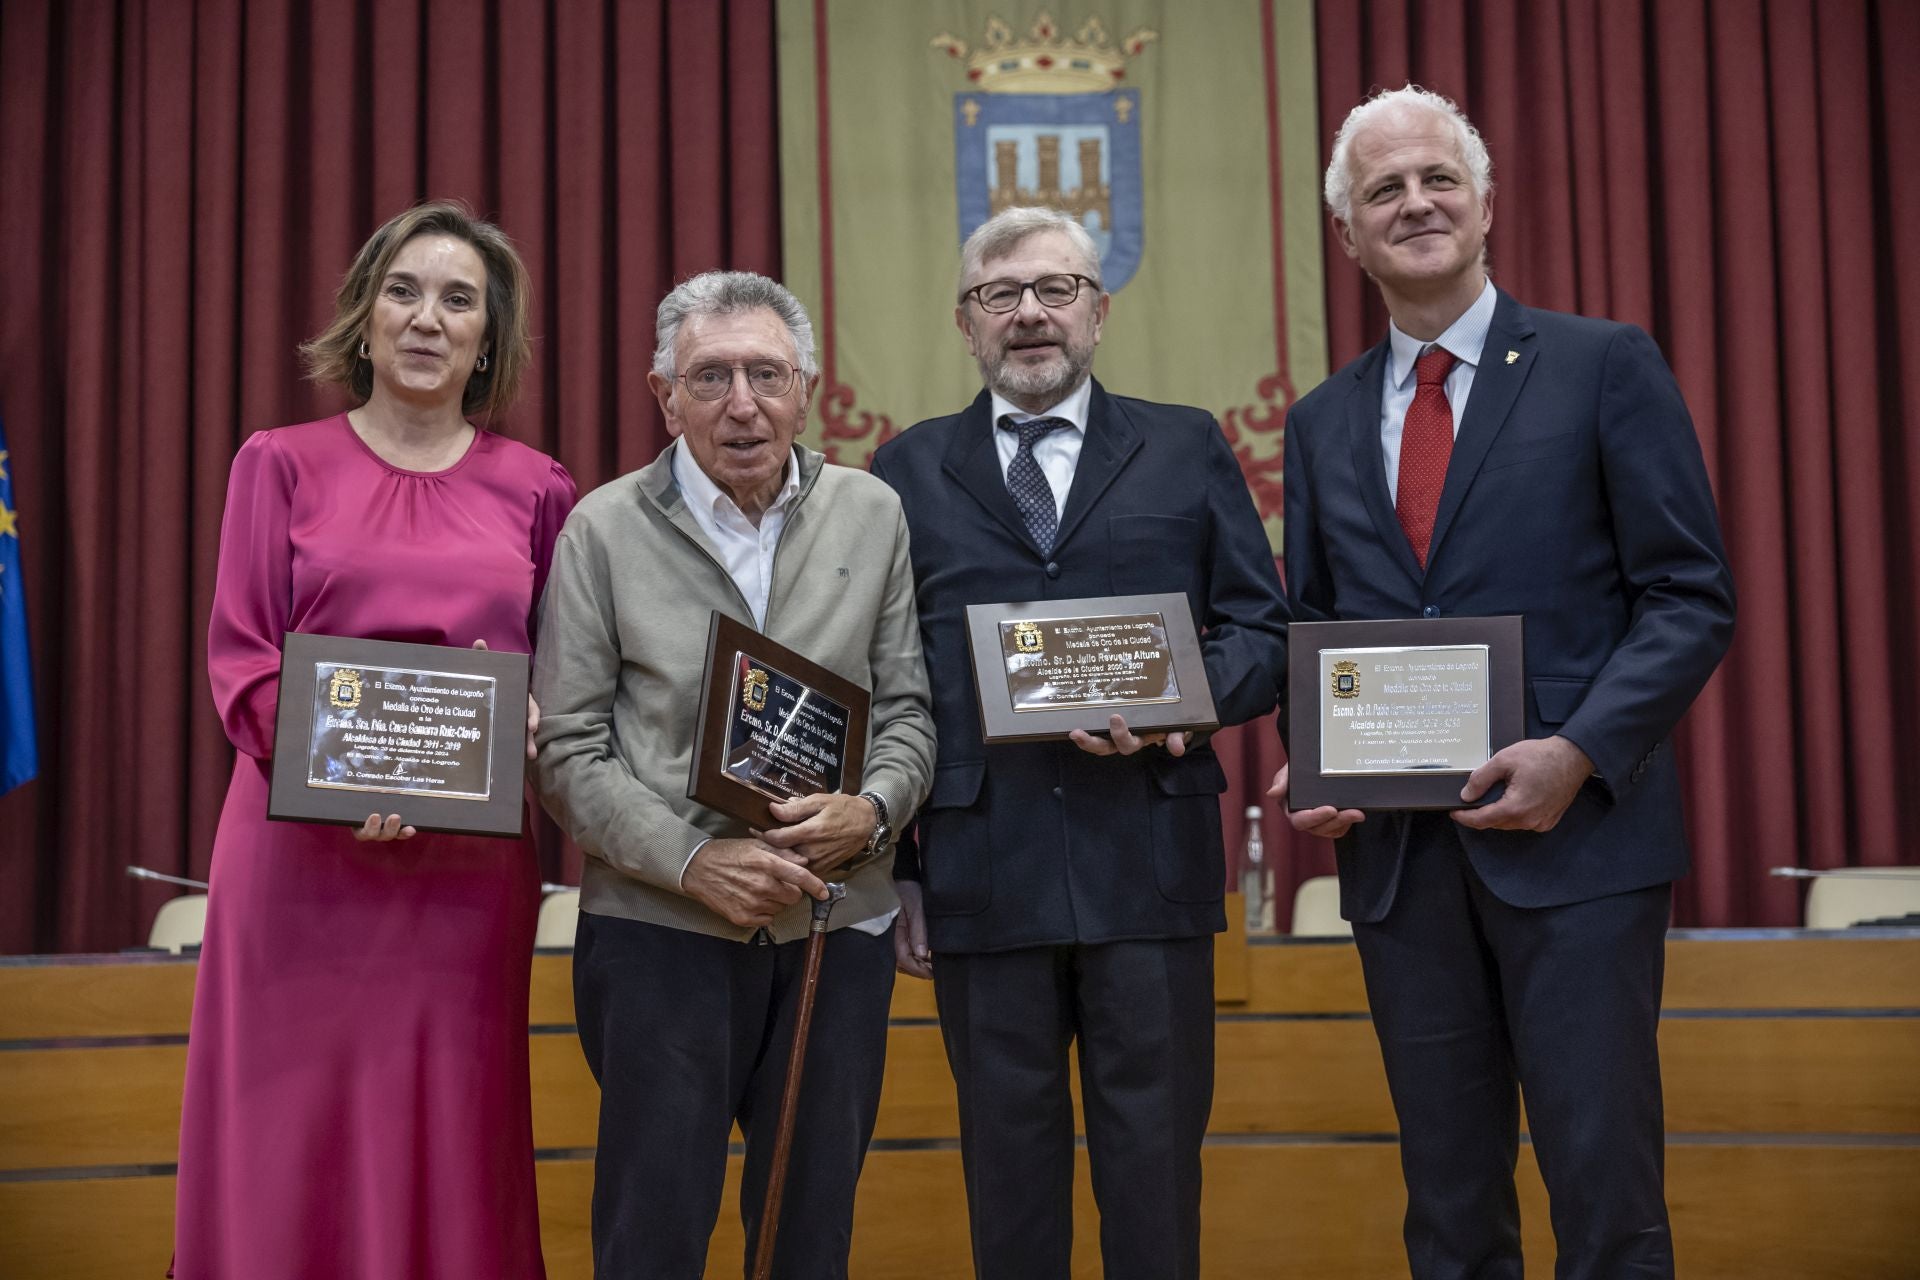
[(357, 1102)]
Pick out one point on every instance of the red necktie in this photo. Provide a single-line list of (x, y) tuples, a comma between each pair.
[(1426, 442)]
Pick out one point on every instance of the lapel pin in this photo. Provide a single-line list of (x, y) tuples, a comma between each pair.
[(1512, 356)]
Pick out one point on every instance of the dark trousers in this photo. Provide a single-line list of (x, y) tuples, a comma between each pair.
[(1471, 998), (1142, 1013), (687, 1034)]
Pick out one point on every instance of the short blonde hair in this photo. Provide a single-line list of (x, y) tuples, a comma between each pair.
[(333, 357)]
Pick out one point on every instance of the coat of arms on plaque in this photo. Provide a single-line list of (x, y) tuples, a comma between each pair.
[(343, 691), (753, 689), (1044, 122), (1346, 680)]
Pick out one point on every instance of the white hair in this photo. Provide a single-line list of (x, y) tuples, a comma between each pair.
[(1401, 102), (723, 293), (1007, 230)]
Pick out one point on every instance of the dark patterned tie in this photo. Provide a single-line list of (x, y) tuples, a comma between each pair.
[(1426, 444), (1028, 484)]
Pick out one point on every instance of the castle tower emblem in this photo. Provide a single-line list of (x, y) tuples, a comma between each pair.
[(1045, 120)]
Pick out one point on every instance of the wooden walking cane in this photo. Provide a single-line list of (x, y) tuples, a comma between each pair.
[(790, 1097)]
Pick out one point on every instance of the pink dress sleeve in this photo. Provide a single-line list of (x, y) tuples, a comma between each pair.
[(554, 505), (252, 594)]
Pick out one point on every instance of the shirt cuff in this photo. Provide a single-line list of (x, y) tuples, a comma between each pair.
[(681, 883), (877, 925)]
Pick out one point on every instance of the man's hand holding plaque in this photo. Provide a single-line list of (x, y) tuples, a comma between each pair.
[(1541, 777), (826, 830), (1324, 820), (1120, 740)]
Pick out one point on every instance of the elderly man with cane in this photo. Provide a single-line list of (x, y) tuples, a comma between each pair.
[(691, 963)]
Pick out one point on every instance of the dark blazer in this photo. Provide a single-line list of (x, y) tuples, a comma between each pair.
[(1577, 497), (1041, 843)]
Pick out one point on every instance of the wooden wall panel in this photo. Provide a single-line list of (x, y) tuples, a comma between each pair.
[(67, 1108), (1314, 1211), (1792, 1075), (1716, 971), (1703, 972), (155, 997), (120, 1105), (113, 998), (1746, 1057)]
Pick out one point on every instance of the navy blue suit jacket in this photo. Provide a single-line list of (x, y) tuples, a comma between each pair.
[(1041, 843), (1577, 497)]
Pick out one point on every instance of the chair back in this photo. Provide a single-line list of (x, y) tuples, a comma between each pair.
[(1834, 902), (180, 922), (1316, 909), (559, 914)]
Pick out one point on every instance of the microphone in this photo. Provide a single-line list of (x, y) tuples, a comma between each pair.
[(141, 873), (1908, 874)]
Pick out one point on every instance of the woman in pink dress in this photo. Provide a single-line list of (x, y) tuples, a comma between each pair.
[(357, 1101)]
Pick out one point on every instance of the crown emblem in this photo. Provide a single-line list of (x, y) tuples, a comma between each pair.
[(1045, 60)]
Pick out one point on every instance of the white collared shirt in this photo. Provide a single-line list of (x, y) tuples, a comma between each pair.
[(746, 552), (1466, 338), (1058, 451)]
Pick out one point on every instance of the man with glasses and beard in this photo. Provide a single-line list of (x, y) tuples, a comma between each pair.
[(690, 956), (1069, 891)]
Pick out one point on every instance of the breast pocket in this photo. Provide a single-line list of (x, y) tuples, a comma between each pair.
[(1536, 449), (1152, 553)]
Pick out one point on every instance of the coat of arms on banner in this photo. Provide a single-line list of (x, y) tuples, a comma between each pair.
[(1046, 123)]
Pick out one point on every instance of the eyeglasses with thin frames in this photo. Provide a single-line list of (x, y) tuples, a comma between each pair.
[(768, 379), (997, 297)]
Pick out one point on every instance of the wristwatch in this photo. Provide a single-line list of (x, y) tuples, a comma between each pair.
[(882, 831)]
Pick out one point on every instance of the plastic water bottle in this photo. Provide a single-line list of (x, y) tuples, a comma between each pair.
[(1256, 877)]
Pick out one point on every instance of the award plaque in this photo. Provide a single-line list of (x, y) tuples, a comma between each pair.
[(1395, 714), (773, 726), (1043, 668), (435, 734)]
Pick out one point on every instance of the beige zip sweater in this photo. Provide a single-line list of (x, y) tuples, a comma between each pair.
[(622, 648)]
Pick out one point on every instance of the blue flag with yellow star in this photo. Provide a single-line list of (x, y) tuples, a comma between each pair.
[(19, 749)]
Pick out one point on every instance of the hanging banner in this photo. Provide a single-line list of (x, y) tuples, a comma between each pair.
[(1182, 135)]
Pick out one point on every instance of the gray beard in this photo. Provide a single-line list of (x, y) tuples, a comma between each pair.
[(1042, 386)]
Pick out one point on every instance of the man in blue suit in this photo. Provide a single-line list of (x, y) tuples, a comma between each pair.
[(1492, 459), (1070, 890)]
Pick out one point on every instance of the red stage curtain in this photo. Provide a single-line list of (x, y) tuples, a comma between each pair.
[(1737, 178), (181, 187)]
